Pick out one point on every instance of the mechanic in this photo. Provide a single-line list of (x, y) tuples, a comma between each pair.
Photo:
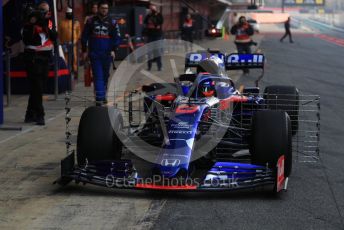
[(187, 31), (101, 36), (65, 36), (153, 32), (287, 31), (243, 32), (38, 37)]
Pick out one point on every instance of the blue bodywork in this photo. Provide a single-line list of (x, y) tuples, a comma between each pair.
[(175, 155)]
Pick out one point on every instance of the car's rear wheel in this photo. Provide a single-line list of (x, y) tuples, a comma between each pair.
[(271, 138), (285, 98), (97, 138)]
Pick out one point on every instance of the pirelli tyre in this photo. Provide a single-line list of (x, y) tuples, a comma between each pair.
[(271, 138), (97, 139), (285, 98)]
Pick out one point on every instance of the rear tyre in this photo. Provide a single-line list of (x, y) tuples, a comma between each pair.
[(97, 139), (271, 138), (285, 98)]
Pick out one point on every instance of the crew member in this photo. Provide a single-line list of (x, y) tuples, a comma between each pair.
[(153, 31), (38, 37), (101, 36), (187, 31), (243, 32), (287, 31)]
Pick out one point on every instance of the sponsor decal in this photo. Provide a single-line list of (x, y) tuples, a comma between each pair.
[(238, 59), (170, 162), (179, 132), (182, 125), (194, 58)]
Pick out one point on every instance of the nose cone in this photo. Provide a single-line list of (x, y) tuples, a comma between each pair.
[(170, 171)]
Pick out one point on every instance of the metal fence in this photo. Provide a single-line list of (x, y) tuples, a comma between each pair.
[(132, 104)]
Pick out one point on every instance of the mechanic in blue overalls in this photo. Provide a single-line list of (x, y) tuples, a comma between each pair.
[(101, 35)]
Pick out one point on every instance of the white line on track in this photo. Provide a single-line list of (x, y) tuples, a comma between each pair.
[(174, 68)]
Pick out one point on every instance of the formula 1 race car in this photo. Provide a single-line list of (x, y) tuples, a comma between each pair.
[(198, 133)]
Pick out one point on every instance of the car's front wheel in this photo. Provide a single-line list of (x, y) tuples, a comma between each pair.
[(271, 138), (97, 138), (285, 98)]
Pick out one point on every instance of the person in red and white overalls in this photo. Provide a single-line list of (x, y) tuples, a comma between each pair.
[(243, 32), (38, 37)]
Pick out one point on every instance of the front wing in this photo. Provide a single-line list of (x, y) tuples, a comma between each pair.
[(223, 176)]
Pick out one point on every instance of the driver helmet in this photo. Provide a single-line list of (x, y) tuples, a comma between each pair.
[(207, 88)]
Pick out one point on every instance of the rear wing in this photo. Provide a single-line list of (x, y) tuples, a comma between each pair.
[(233, 61), (245, 61), (194, 58)]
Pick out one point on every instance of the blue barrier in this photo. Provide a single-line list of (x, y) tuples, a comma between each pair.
[(1, 71)]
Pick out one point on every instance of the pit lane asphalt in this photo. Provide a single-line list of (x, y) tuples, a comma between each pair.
[(314, 199)]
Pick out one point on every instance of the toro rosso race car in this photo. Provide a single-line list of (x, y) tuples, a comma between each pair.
[(198, 133)]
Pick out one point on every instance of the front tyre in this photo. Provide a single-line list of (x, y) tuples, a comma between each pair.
[(97, 138), (285, 98), (271, 138)]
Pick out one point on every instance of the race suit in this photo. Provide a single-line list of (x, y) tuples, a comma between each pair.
[(102, 36), (243, 40), (242, 34), (38, 39)]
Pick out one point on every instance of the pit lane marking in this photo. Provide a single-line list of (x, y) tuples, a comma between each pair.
[(330, 39)]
